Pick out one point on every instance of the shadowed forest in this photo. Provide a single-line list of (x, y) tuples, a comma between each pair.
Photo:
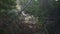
[(29, 16)]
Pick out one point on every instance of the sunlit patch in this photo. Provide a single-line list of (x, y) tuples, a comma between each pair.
[(56, 0), (18, 7)]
